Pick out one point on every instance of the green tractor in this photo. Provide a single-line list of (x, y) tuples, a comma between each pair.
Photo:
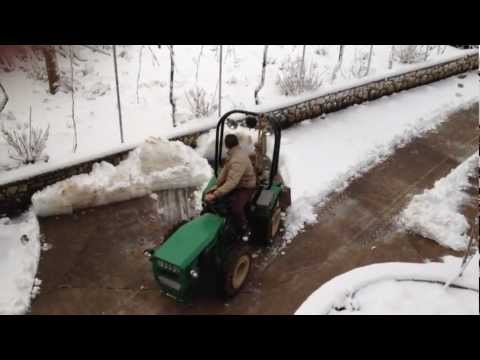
[(210, 241)]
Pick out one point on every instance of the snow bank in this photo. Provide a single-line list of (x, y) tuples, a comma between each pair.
[(206, 142), (434, 214), (388, 288), (156, 165), (322, 156), (18, 262)]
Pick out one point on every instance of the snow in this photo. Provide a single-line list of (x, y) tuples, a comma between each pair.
[(434, 214), (323, 156), (18, 263), (95, 96), (156, 165), (399, 288)]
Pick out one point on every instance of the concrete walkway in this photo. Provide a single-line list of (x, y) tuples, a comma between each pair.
[(96, 264)]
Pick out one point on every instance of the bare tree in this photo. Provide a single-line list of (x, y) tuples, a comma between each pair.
[(302, 69), (118, 92), (52, 67), (262, 79), (154, 57), (73, 103), (172, 75), (339, 63), (370, 54), (390, 59), (197, 63), (4, 100), (139, 71), (220, 66)]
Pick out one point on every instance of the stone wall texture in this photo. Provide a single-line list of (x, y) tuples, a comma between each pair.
[(15, 197)]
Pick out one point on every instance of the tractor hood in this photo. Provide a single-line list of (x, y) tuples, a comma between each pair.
[(188, 242)]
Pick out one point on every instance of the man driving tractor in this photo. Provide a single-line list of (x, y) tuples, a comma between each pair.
[(237, 182)]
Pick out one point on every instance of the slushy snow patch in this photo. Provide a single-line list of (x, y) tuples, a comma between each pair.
[(19, 255), (399, 288), (156, 165), (434, 214)]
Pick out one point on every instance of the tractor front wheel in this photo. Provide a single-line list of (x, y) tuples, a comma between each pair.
[(236, 269)]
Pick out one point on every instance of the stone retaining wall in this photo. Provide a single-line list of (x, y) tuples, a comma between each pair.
[(15, 197)]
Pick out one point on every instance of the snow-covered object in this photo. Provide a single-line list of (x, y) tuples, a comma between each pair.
[(398, 288), (434, 214), (156, 165), (206, 142), (19, 257)]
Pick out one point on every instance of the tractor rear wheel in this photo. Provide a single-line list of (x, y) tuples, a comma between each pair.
[(235, 270)]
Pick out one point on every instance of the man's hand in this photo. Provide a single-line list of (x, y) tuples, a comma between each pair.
[(209, 197)]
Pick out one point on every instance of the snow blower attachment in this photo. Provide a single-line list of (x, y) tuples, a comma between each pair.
[(211, 241)]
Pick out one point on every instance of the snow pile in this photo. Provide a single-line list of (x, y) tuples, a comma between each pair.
[(323, 156), (156, 165), (399, 288), (206, 142), (19, 255), (434, 214)]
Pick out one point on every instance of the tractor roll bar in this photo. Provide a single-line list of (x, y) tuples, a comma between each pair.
[(219, 141)]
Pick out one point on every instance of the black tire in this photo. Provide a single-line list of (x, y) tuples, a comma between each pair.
[(235, 270)]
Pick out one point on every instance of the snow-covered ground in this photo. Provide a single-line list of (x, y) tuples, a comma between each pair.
[(322, 156), (95, 99), (19, 257), (156, 165), (399, 288), (435, 214)]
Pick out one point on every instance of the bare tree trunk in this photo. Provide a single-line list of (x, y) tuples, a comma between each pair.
[(73, 104), (390, 59), (118, 91), (220, 65), (139, 71), (198, 63), (4, 100), (154, 57), (262, 79), (302, 68), (370, 54), (52, 68), (339, 63), (172, 74)]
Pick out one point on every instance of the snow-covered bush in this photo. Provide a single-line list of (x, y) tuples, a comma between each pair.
[(359, 66), (295, 77), (26, 143), (411, 54), (199, 103), (321, 51)]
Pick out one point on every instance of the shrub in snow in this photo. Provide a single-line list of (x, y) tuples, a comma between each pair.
[(360, 65), (26, 143), (295, 77), (411, 54), (201, 105), (321, 51), (96, 90)]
